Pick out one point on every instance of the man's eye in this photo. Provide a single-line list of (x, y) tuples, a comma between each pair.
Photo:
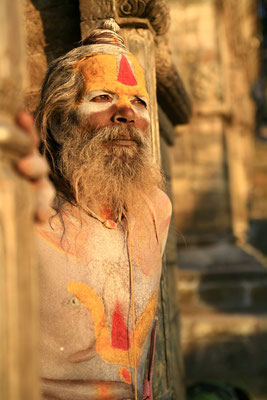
[(102, 98), (140, 102)]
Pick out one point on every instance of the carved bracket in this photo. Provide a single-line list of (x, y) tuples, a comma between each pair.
[(171, 93), (131, 8), (156, 11)]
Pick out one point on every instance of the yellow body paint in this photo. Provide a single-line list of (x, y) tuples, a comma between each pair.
[(100, 72), (93, 303)]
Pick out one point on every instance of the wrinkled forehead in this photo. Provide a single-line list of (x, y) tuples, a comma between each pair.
[(117, 73)]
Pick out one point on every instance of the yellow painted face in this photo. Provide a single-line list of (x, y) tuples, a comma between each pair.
[(116, 73)]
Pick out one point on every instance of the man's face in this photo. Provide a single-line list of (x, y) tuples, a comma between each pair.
[(107, 157), (115, 94)]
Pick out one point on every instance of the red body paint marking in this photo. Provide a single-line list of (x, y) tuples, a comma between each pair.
[(125, 375), (119, 331), (126, 75), (105, 213)]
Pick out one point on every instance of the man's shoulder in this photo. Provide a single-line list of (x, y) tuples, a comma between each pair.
[(161, 203), (160, 207)]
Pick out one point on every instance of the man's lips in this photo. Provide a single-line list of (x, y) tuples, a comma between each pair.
[(122, 142)]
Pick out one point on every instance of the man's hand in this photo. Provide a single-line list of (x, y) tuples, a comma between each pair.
[(34, 168)]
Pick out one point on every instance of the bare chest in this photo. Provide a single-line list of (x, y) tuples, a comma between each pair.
[(87, 318)]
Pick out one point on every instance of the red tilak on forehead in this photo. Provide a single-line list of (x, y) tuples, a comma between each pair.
[(126, 75)]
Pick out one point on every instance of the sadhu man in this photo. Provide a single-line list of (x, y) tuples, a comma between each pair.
[(100, 252)]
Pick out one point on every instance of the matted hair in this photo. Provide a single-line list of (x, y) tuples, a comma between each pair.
[(63, 88)]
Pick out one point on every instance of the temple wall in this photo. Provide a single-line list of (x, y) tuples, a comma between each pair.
[(219, 179), (52, 29), (257, 235), (212, 158)]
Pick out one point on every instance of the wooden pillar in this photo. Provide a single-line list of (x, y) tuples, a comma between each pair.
[(144, 23), (18, 288), (141, 43)]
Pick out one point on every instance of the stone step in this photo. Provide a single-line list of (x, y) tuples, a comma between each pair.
[(243, 289), (223, 278), (226, 347), (223, 300)]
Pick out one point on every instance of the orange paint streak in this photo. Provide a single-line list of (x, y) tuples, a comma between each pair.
[(104, 392), (71, 243), (94, 304)]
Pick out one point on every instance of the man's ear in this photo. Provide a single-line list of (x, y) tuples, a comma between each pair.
[(61, 123), (55, 127)]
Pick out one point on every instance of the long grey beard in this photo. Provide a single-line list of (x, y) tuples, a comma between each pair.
[(109, 175)]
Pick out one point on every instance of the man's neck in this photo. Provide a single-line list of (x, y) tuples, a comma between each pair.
[(103, 211), (106, 212)]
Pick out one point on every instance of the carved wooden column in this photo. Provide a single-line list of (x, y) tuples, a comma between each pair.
[(18, 305), (144, 23), (140, 42)]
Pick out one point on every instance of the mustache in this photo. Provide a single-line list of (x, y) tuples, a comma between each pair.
[(117, 132)]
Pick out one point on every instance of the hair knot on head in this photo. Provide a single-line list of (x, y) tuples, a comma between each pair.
[(110, 24), (106, 33)]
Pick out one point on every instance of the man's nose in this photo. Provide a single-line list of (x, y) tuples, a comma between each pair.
[(124, 115)]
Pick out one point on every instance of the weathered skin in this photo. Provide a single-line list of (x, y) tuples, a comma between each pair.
[(86, 316)]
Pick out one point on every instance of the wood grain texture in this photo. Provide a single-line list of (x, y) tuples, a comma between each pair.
[(18, 282), (92, 12), (140, 42), (171, 92)]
